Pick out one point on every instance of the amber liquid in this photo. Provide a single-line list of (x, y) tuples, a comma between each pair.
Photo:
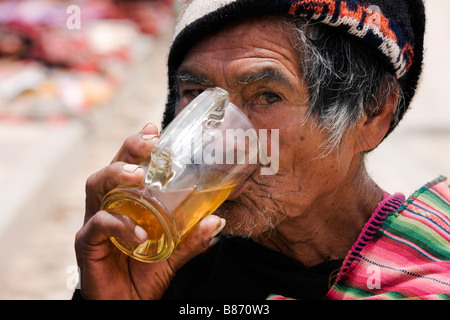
[(148, 213)]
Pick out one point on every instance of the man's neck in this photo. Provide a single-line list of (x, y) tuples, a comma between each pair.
[(330, 227)]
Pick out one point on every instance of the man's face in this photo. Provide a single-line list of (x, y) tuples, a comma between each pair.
[(256, 63)]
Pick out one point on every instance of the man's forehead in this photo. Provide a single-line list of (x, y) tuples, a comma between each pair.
[(245, 33), (255, 50)]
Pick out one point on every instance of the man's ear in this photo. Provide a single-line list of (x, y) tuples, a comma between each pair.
[(372, 129)]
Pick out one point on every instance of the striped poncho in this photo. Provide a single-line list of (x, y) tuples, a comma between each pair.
[(403, 253)]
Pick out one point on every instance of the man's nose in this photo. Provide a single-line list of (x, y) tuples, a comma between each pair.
[(238, 102)]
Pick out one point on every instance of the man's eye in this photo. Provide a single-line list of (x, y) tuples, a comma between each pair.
[(191, 94), (266, 98)]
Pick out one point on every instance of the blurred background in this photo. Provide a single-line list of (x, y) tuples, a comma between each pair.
[(72, 90)]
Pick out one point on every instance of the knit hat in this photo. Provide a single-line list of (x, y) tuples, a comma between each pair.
[(394, 29)]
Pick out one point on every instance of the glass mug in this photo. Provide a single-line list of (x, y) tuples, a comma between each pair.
[(203, 155)]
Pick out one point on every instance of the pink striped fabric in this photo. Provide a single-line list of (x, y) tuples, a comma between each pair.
[(407, 256)]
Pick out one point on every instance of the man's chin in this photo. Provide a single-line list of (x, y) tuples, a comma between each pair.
[(239, 221)]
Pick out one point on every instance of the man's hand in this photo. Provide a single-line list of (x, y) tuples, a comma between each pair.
[(106, 273)]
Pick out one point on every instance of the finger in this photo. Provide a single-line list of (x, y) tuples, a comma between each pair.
[(95, 234), (199, 239), (150, 129), (138, 147), (103, 181)]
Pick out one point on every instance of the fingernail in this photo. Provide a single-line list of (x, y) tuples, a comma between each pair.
[(219, 228), (147, 125), (130, 168), (149, 136), (140, 233)]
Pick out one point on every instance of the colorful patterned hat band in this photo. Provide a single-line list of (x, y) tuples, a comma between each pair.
[(393, 28)]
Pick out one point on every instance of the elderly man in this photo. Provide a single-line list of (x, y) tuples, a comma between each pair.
[(334, 77)]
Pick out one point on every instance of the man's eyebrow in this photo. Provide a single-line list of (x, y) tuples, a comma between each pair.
[(185, 75), (262, 75), (265, 75)]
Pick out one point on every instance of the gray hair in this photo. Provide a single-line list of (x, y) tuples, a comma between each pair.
[(345, 81)]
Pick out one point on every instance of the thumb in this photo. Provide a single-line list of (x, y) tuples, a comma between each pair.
[(198, 240)]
